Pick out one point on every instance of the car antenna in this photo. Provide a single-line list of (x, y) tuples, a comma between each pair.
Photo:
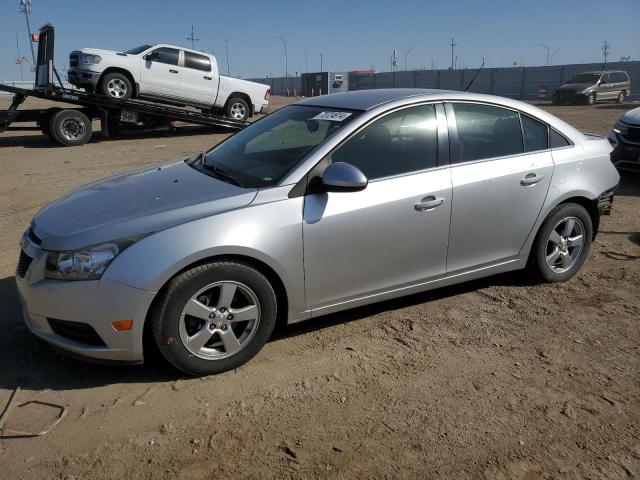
[(475, 76)]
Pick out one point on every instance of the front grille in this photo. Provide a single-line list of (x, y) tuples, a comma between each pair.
[(33, 237), (633, 135), (23, 264), (74, 60), (76, 331)]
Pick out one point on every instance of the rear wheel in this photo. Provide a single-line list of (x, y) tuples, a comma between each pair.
[(562, 244), (117, 86), (214, 317), (621, 96), (238, 109), (70, 127)]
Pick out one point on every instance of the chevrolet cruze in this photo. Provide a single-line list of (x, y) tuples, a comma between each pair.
[(330, 203)]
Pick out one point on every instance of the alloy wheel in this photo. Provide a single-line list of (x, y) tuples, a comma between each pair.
[(238, 111), (564, 245), (219, 320), (117, 88)]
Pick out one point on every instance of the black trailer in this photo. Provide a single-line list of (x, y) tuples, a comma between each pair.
[(72, 126)]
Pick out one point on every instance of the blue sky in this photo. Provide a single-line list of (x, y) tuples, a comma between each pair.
[(351, 34)]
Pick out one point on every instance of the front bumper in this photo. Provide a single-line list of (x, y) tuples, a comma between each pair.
[(569, 97), (626, 152), (48, 303), (81, 77)]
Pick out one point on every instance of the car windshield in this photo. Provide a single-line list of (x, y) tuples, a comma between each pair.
[(137, 50), (590, 78), (261, 154)]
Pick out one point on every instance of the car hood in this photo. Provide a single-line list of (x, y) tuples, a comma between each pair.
[(102, 53), (574, 87), (134, 203), (632, 117)]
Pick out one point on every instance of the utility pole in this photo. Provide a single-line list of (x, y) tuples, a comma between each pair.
[(193, 39), (452, 45), (25, 7), (226, 47), (431, 64), (286, 59), (405, 57), (321, 63), (605, 50), (306, 63)]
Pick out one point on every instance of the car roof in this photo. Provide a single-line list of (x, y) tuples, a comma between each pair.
[(367, 99)]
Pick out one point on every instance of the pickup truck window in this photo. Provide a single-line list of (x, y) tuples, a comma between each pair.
[(167, 55), (261, 154), (199, 62)]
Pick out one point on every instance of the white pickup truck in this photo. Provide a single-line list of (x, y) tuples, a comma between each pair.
[(169, 74)]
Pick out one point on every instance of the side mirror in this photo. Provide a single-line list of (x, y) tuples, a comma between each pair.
[(343, 177), (149, 57)]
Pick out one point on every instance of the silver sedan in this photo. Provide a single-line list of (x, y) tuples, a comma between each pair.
[(327, 204)]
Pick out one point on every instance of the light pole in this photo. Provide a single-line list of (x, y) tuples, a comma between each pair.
[(405, 57), (320, 62), (25, 7), (546, 47), (432, 64), (226, 47), (452, 45), (553, 55), (286, 59), (306, 63)]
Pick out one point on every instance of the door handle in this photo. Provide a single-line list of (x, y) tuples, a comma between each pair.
[(173, 71), (531, 178), (207, 78), (428, 203)]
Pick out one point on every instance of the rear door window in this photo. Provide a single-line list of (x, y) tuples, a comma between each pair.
[(197, 62), (486, 131)]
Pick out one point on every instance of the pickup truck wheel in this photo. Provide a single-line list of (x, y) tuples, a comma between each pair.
[(238, 109), (116, 86), (70, 127)]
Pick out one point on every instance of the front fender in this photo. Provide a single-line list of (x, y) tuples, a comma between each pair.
[(270, 233)]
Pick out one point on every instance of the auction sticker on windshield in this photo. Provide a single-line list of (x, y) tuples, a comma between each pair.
[(332, 116)]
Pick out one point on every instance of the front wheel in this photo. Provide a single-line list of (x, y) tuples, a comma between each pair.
[(214, 317), (591, 99), (621, 97), (562, 244), (116, 86), (238, 109)]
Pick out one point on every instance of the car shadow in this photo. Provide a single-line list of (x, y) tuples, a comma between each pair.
[(629, 185), (43, 141), (29, 363)]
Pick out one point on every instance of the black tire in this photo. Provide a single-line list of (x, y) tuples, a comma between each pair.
[(591, 99), (537, 264), (167, 317), (621, 96), (70, 127), (116, 86), (237, 109)]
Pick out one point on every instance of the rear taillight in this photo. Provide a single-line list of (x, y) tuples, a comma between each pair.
[(267, 94)]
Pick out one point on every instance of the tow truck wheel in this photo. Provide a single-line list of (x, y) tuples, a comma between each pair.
[(70, 127)]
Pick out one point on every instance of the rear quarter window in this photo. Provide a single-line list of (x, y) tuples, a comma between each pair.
[(557, 140)]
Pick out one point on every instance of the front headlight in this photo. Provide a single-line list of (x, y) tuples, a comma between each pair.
[(89, 58), (620, 128), (87, 263)]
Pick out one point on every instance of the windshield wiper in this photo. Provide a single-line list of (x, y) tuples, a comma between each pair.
[(222, 174)]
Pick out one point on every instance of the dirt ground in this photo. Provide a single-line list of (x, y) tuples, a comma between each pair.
[(496, 379)]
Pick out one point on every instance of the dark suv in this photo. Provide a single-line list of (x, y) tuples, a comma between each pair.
[(590, 87)]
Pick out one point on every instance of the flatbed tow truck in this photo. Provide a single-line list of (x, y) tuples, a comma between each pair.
[(73, 126)]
